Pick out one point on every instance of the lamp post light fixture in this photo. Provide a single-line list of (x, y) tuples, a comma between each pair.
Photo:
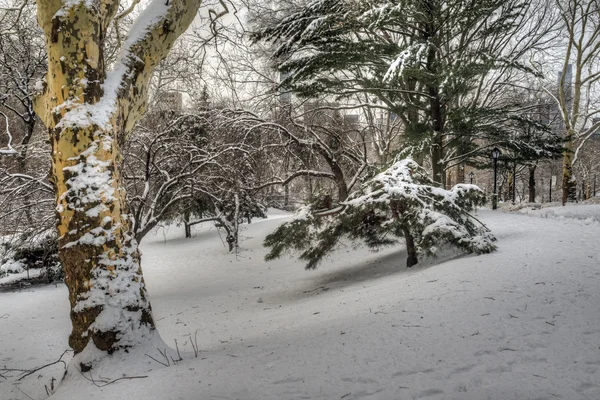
[(471, 176), (495, 155)]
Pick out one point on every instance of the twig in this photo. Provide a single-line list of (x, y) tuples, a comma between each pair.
[(51, 390), (195, 343), (160, 362), (14, 370), (106, 383), (481, 223), (165, 355), (19, 389), (44, 366), (178, 354)]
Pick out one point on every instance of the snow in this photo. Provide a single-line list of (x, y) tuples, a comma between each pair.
[(20, 276), (584, 214), (520, 323), (12, 266), (410, 57)]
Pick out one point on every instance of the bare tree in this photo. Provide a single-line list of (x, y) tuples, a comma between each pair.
[(577, 100)]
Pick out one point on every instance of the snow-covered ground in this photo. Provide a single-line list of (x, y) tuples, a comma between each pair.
[(520, 323), (586, 214), (20, 276)]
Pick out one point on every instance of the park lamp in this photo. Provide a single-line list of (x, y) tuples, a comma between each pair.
[(496, 153)]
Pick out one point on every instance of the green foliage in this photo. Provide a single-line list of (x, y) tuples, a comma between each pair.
[(292, 235), (399, 202), (423, 60)]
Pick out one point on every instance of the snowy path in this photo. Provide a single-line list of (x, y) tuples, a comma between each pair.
[(522, 323)]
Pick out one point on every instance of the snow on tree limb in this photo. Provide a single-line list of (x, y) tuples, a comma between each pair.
[(89, 113), (399, 202)]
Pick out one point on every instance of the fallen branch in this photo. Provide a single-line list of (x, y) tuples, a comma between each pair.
[(26, 372), (106, 382), (29, 372)]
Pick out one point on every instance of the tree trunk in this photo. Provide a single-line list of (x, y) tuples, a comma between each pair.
[(532, 169), (588, 190), (186, 224), (22, 166), (398, 209), (460, 174), (89, 113), (286, 195), (511, 186), (340, 182), (412, 258), (437, 147), (436, 108), (96, 247), (569, 183)]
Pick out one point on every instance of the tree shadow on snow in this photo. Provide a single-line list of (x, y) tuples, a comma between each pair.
[(365, 271)]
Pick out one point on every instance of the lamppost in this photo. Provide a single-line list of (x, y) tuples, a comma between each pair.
[(495, 155), (471, 176)]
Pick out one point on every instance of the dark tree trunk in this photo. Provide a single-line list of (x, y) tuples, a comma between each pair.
[(436, 107), (532, 183), (412, 258), (397, 210), (340, 182), (569, 183), (188, 228)]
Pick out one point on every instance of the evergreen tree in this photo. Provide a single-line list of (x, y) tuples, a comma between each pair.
[(424, 60), (401, 202)]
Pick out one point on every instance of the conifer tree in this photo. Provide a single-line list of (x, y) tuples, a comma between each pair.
[(424, 60), (400, 202)]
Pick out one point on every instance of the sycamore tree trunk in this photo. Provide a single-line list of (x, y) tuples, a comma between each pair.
[(89, 112)]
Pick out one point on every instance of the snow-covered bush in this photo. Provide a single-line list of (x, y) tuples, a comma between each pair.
[(12, 266), (40, 252), (400, 202)]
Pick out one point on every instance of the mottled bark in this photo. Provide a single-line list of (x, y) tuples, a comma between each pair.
[(89, 113)]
